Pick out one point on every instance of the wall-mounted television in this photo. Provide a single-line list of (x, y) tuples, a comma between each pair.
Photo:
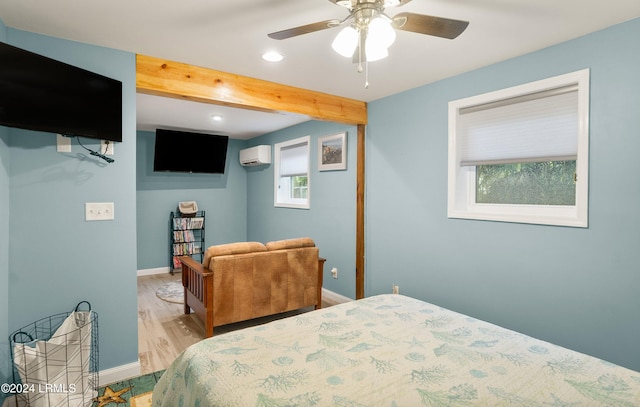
[(42, 94), (182, 151)]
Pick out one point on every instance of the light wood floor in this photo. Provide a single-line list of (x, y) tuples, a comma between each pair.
[(164, 330)]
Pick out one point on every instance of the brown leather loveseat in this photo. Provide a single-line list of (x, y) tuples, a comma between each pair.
[(246, 280)]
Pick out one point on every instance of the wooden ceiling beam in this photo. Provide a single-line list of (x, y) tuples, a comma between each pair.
[(161, 77)]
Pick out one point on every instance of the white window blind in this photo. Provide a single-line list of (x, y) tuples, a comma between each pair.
[(294, 160), (535, 127)]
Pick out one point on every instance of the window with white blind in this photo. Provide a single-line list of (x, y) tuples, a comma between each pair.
[(521, 154), (292, 173)]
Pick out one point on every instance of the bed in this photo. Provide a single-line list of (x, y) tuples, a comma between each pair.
[(389, 350)]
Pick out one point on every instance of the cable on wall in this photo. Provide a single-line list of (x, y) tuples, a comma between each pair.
[(96, 153)]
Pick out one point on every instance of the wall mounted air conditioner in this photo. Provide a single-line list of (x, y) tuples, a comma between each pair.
[(257, 155)]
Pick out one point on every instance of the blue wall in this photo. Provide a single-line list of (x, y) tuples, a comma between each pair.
[(223, 197), (5, 366), (55, 258), (575, 287), (331, 219)]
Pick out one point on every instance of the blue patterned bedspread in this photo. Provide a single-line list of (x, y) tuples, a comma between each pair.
[(389, 350)]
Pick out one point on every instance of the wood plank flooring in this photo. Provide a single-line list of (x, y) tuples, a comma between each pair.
[(164, 331)]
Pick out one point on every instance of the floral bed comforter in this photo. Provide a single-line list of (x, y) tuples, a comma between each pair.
[(389, 350)]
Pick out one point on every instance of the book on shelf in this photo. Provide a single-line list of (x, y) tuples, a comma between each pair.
[(181, 249), (180, 236), (187, 223), (196, 223), (176, 263)]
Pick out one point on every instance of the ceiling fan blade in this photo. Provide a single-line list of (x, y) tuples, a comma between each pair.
[(304, 29), (429, 25)]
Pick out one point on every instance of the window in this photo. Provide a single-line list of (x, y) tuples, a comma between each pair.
[(292, 173), (521, 154)]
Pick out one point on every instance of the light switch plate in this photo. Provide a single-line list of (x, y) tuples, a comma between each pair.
[(98, 211)]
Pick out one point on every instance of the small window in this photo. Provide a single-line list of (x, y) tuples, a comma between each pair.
[(292, 173), (521, 154)]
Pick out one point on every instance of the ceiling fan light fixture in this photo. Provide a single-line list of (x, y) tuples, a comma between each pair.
[(375, 51), (368, 32), (346, 42), (381, 32)]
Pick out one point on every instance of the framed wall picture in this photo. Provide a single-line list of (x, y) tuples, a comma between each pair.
[(332, 152)]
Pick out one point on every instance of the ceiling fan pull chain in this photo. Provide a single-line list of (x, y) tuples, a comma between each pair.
[(360, 51), (366, 74)]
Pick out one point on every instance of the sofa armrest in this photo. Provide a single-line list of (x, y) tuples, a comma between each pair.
[(190, 263), (197, 281)]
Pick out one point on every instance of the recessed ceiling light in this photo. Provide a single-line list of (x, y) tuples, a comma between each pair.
[(272, 56), (216, 117)]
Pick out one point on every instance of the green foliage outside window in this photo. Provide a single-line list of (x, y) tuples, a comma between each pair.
[(299, 187), (540, 183)]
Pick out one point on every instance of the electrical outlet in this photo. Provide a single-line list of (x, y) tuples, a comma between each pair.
[(395, 289), (106, 147), (63, 144), (334, 272), (98, 211)]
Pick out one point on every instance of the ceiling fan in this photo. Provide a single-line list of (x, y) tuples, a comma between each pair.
[(368, 32)]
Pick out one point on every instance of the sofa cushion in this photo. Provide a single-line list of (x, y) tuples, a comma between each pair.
[(232, 248), (290, 243)]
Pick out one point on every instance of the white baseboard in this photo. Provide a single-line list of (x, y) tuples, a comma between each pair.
[(119, 373), (334, 298), (148, 272)]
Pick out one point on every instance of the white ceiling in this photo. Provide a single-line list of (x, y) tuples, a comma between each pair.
[(230, 36), (160, 112)]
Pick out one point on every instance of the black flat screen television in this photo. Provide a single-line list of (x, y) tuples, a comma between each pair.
[(182, 151), (42, 94)]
